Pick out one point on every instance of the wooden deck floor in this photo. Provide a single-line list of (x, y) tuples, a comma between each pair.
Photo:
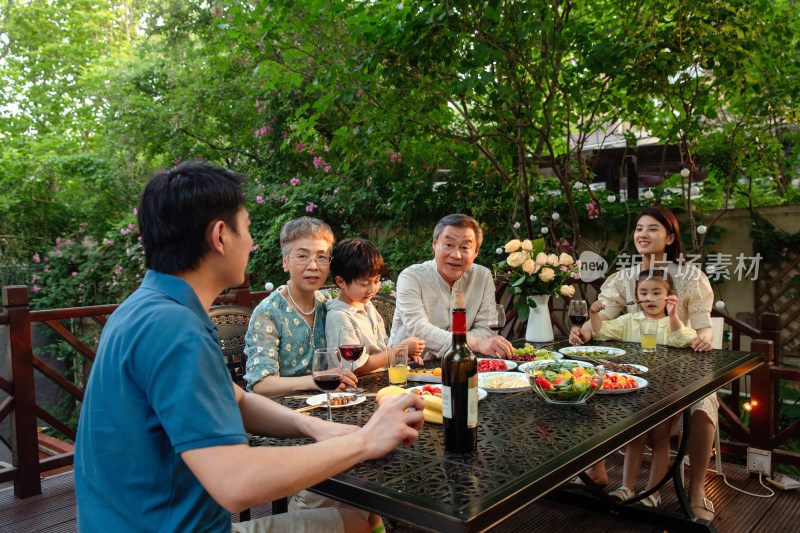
[(54, 510)]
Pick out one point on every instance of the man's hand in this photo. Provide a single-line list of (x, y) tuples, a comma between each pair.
[(392, 424), (496, 346)]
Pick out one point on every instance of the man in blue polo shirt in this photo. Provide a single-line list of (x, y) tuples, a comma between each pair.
[(162, 443)]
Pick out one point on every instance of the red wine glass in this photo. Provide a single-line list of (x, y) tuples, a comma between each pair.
[(326, 369), (351, 346), (498, 319), (578, 312)]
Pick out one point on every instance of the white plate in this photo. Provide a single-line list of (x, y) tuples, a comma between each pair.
[(481, 393), (523, 367), (550, 355), (423, 378), (640, 384), (321, 398), (511, 365), (483, 377), (574, 352), (641, 368)]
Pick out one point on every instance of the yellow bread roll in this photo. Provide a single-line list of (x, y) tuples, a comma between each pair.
[(391, 390)]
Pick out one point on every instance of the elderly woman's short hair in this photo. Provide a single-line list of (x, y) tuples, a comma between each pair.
[(302, 228), (459, 221)]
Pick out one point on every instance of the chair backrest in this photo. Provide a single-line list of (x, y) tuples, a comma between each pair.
[(717, 323), (385, 305), (232, 322)]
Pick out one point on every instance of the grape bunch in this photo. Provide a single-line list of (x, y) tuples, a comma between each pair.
[(529, 353)]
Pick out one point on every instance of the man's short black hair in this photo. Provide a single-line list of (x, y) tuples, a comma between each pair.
[(176, 208), (355, 259)]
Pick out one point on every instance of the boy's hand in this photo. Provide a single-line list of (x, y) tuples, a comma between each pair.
[(672, 304), (597, 307), (415, 347), (578, 336)]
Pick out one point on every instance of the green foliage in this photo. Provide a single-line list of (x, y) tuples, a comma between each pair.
[(79, 271), (772, 243)]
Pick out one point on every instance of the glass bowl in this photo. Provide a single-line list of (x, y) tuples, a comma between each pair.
[(565, 382)]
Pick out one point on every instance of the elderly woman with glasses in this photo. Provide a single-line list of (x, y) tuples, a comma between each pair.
[(289, 324)]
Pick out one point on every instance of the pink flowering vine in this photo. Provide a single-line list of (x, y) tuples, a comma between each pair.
[(259, 199), (36, 258), (310, 207), (593, 209)]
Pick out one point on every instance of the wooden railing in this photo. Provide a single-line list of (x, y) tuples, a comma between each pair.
[(21, 406)]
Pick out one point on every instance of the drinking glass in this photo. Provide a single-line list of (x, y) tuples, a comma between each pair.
[(351, 347), (578, 312), (498, 320), (398, 364), (326, 369), (648, 328)]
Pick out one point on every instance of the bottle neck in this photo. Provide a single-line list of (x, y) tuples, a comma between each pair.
[(459, 326)]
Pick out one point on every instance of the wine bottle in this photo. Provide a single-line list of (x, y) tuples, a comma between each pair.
[(460, 386)]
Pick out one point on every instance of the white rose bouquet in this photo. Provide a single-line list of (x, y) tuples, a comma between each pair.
[(531, 271)]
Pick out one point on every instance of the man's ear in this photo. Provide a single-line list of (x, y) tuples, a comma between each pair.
[(214, 236), (339, 281)]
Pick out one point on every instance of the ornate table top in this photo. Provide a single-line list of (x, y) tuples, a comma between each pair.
[(526, 447)]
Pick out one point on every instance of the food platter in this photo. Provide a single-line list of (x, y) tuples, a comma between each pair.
[(422, 378), (611, 368), (487, 380), (481, 393), (640, 384), (523, 367), (592, 353), (510, 365), (321, 398)]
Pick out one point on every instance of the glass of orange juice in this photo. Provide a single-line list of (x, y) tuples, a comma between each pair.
[(398, 364), (649, 329)]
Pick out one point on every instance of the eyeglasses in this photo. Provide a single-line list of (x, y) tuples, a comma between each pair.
[(305, 259)]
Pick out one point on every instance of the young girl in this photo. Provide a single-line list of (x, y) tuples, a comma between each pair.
[(658, 302), (356, 268), (289, 324)]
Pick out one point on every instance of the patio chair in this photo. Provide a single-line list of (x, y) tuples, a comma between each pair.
[(232, 322), (385, 304)]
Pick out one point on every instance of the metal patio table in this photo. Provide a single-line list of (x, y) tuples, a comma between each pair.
[(526, 447)]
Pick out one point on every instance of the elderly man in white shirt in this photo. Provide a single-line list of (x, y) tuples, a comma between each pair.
[(424, 293)]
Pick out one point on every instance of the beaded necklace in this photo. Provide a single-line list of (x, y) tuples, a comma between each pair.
[(289, 292)]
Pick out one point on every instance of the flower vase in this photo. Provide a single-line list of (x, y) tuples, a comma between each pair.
[(540, 328)]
